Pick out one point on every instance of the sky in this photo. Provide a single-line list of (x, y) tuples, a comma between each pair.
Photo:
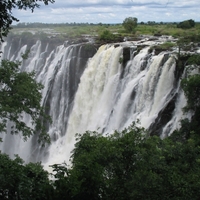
[(112, 11)]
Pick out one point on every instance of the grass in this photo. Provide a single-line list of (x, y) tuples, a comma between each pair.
[(73, 31), (167, 29)]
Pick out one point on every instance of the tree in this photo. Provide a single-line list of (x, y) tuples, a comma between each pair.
[(187, 24), (23, 181), (61, 183), (106, 35), (130, 165), (6, 16), (191, 87), (19, 94), (130, 24)]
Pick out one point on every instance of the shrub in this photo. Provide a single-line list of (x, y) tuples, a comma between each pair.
[(107, 35), (187, 24)]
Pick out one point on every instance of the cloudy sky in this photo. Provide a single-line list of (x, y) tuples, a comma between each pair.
[(113, 11)]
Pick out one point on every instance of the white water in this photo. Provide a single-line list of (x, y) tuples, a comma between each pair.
[(105, 102), (59, 70), (109, 96)]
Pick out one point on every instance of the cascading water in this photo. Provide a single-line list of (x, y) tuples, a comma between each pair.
[(116, 97), (58, 68), (109, 94)]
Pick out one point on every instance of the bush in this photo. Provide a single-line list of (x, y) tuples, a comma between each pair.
[(107, 35), (23, 181), (187, 24), (162, 47)]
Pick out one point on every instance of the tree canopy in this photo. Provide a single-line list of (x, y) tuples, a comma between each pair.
[(21, 94), (186, 24), (6, 8), (23, 181), (130, 24), (130, 165)]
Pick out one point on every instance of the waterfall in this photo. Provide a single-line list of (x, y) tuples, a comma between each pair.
[(58, 68), (113, 100), (95, 91)]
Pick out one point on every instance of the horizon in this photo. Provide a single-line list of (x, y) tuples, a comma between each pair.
[(111, 12), (98, 23)]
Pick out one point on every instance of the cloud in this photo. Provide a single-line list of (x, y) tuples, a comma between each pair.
[(112, 11)]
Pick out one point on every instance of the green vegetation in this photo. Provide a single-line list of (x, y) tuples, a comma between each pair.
[(121, 59), (106, 35), (191, 86), (80, 30), (187, 24), (130, 24), (188, 42), (167, 46), (120, 166), (167, 29), (23, 181), (194, 60), (112, 167), (19, 94)]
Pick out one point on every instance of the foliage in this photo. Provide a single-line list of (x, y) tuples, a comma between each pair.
[(194, 60), (189, 38), (190, 128), (166, 46), (74, 30), (20, 94), (120, 166), (130, 24), (187, 42), (127, 163), (19, 181), (6, 16), (191, 87), (187, 24), (89, 47), (62, 186), (121, 59), (106, 35)]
